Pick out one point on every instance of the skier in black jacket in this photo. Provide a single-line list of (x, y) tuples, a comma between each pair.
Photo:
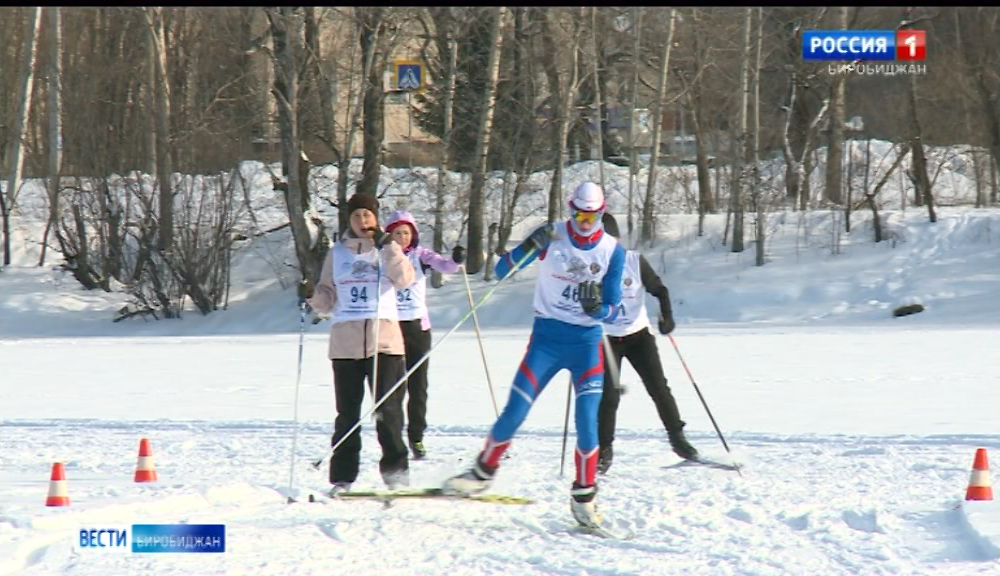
[(630, 338)]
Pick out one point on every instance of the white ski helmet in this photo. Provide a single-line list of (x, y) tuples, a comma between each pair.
[(588, 197)]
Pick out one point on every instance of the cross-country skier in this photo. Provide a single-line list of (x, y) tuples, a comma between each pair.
[(413, 319), (630, 338), (578, 288), (358, 283)]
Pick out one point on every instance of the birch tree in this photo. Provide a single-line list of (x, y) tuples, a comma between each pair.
[(449, 108), (157, 34), (835, 146), (476, 193), (657, 112), (55, 123), (15, 151)]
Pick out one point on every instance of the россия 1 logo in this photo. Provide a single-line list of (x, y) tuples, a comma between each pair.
[(864, 45)]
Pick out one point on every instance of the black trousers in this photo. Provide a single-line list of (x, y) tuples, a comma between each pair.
[(349, 378), (417, 342), (641, 351)]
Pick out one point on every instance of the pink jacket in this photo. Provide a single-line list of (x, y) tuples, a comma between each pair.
[(426, 256), (356, 339)]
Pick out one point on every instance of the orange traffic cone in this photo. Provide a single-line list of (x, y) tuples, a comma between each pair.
[(58, 495), (144, 469), (980, 487)]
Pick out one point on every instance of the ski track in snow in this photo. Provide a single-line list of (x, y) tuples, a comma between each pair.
[(837, 506)]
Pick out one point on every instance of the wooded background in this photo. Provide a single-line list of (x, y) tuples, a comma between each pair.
[(94, 92)]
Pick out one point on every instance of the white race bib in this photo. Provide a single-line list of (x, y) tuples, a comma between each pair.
[(557, 293), (355, 277), (632, 314), (411, 302)]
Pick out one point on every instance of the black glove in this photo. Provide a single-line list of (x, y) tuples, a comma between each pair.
[(666, 317), (458, 254), (590, 296), (380, 237), (540, 238)]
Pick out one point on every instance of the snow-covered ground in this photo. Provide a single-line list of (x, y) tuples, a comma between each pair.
[(857, 430)]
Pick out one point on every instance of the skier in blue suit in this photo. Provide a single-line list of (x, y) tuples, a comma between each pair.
[(579, 287)]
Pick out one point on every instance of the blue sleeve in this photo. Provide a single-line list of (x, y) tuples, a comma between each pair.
[(505, 265), (611, 288)]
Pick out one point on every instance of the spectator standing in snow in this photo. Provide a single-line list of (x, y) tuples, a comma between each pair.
[(360, 277), (630, 338), (411, 303)]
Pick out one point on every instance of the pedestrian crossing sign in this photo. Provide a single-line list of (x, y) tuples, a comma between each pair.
[(408, 75)]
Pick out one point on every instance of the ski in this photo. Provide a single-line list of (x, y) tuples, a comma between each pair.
[(429, 493), (706, 462), (601, 532)]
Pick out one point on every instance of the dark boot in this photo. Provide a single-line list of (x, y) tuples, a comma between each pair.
[(604, 458), (680, 444)]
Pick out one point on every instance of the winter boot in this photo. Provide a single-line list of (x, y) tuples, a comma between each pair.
[(472, 481), (339, 487), (419, 452), (604, 459), (396, 480), (583, 505), (680, 444)]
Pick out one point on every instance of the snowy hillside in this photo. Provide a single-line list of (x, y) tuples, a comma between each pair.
[(856, 430)]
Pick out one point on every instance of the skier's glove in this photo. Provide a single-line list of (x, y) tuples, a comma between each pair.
[(540, 238), (458, 255), (590, 297), (380, 237), (666, 323)]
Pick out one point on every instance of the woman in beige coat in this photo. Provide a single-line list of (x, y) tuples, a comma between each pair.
[(358, 288)]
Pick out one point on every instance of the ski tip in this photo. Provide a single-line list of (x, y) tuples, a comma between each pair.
[(291, 500)]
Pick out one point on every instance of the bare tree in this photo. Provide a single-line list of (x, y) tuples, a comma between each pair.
[(308, 235), (157, 33), (449, 112), (835, 146), (562, 93), (657, 112), (743, 146), (15, 152), (475, 242), (55, 123), (758, 201)]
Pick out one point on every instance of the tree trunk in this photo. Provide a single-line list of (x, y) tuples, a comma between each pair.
[(743, 148), (561, 97), (286, 30), (476, 192), (449, 116), (374, 118), (654, 155), (598, 106), (758, 200), (835, 148), (55, 123), (919, 177), (354, 120), (15, 150), (157, 33), (633, 163)]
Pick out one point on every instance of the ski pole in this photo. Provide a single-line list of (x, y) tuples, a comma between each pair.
[(373, 383), (424, 358), (613, 364), (569, 396), (702, 398), (295, 417), (479, 337)]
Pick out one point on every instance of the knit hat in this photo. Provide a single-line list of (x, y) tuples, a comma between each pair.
[(362, 200), (610, 225)]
